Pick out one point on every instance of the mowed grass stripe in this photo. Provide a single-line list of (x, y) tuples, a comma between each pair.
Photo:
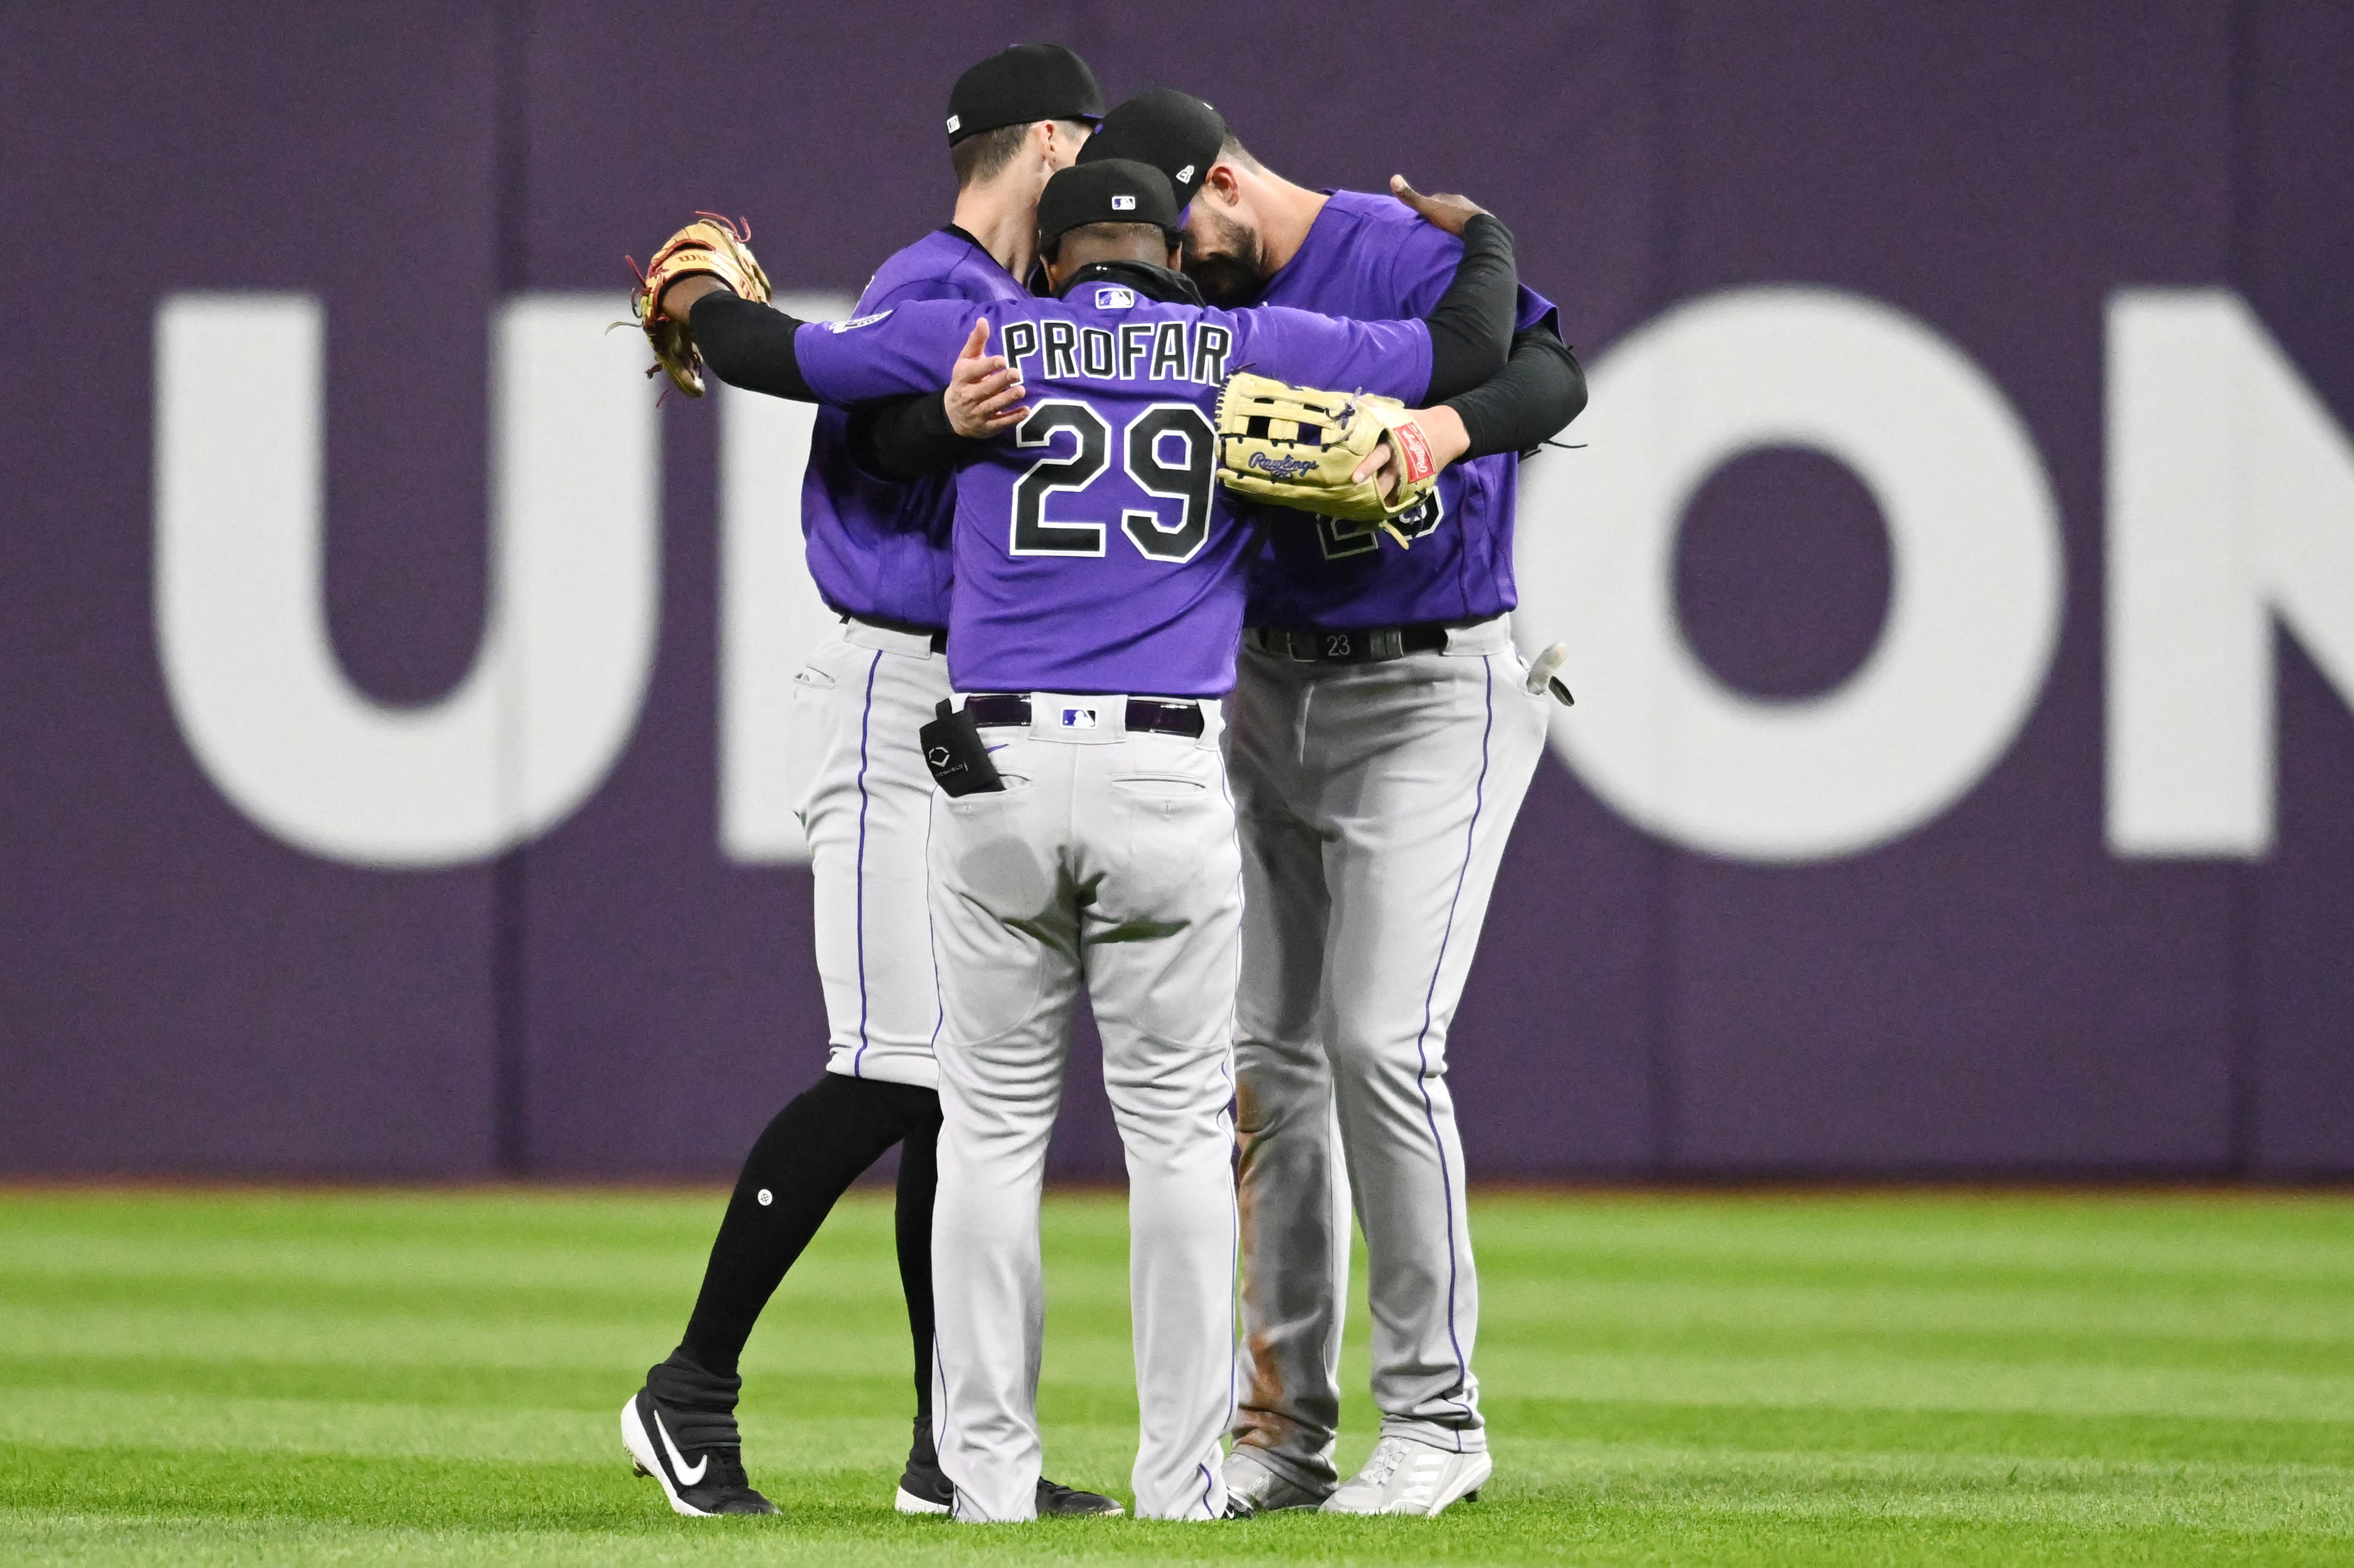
[(1703, 1507), (2253, 1329), (838, 1398), (1560, 1353), (89, 1420), (1891, 1378), (2116, 1237), (1798, 1429), (2318, 1502), (1866, 1380), (2277, 1239), (315, 1413)]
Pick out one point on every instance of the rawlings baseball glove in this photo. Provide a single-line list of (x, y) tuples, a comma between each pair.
[(1298, 446), (714, 246)]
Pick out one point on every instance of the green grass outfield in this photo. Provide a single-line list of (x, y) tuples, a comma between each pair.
[(1894, 1378)]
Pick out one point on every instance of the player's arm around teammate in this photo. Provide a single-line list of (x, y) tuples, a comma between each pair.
[(1092, 653), (1379, 741)]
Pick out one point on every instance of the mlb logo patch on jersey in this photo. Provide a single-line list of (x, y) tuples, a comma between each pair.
[(1116, 299), (1078, 718), (854, 326)]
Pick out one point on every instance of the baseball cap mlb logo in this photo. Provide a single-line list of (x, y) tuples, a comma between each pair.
[(1078, 718), (1123, 204)]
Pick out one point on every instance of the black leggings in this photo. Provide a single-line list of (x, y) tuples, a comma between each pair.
[(804, 1162)]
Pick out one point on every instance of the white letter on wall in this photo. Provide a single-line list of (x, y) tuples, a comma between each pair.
[(769, 613), (1975, 602), (2231, 501), (241, 618)]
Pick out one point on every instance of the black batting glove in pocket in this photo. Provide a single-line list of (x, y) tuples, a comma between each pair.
[(960, 763)]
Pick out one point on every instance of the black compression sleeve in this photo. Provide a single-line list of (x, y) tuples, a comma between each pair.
[(749, 345), (1541, 390), (1472, 325), (906, 438), (799, 1168)]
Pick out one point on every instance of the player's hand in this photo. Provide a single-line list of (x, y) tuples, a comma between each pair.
[(678, 300), (1382, 463), (984, 395), (1442, 426), (1445, 210)]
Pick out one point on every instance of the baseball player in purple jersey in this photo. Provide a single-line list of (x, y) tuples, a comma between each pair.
[(1098, 600), (880, 554), (1381, 734)]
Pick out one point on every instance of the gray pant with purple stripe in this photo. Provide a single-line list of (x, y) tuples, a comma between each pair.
[(1375, 801), (1108, 861), (865, 798)]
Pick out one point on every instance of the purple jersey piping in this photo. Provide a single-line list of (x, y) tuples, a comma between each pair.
[(865, 722), (1421, 1042)]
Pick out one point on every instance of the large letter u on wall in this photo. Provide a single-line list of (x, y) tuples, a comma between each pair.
[(241, 619)]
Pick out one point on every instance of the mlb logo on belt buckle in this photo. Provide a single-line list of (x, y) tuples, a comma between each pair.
[(1078, 718)]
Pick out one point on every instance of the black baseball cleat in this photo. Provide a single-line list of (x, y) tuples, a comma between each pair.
[(1071, 1503), (707, 1483), (924, 1488)]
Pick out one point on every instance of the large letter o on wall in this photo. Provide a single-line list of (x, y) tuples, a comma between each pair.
[(1975, 604)]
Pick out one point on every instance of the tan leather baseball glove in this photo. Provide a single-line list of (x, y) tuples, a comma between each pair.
[(711, 245), (1298, 446)]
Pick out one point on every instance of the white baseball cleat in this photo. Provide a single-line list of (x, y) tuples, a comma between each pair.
[(1407, 1476), (907, 1502), (1252, 1487)]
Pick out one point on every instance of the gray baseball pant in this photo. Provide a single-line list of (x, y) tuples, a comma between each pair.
[(1110, 858), (1375, 801)]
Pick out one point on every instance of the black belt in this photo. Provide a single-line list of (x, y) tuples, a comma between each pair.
[(940, 639), (1364, 645), (1008, 709)]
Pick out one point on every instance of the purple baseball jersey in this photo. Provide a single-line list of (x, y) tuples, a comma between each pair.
[(880, 550), (1094, 549), (1370, 257)]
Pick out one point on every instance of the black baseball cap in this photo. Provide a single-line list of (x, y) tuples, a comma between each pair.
[(1016, 86), (1174, 131), (1109, 190)]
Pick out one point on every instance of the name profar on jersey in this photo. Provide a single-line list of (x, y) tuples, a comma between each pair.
[(1144, 351)]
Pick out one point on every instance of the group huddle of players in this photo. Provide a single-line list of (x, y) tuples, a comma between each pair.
[(1099, 713)]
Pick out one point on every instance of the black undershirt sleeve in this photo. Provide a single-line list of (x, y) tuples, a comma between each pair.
[(903, 438), (752, 347), (1537, 393), (749, 345), (1472, 325)]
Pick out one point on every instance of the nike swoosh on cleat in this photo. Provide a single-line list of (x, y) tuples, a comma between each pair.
[(677, 1460)]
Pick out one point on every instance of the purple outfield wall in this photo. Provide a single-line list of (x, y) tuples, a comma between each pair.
[(2011, 981)]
